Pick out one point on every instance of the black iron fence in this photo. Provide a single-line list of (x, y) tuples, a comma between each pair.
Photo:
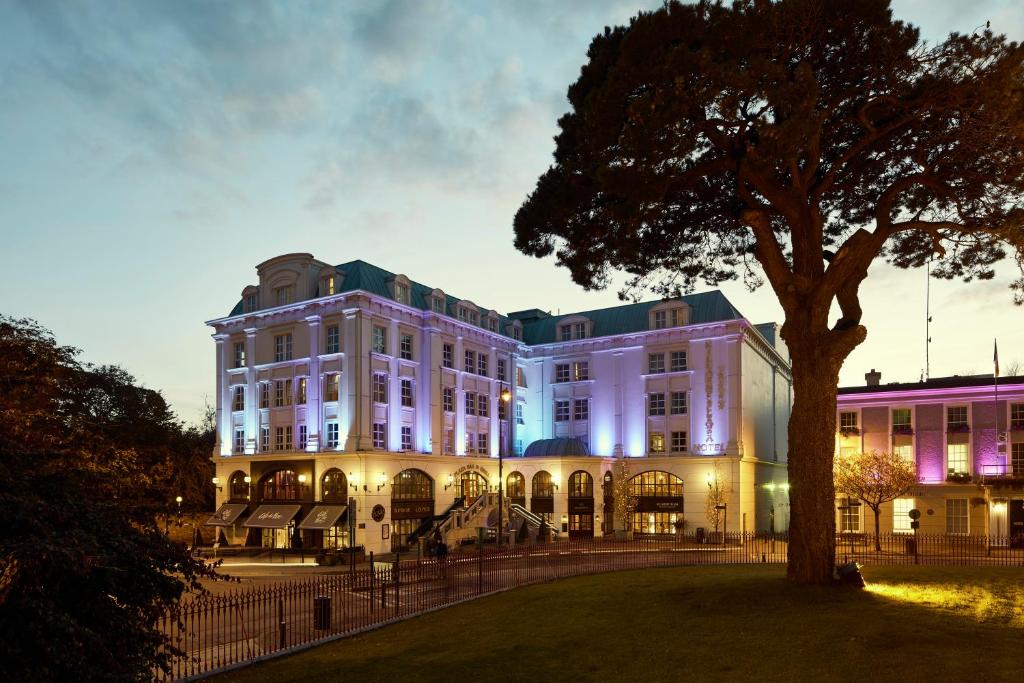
[(208, 634)]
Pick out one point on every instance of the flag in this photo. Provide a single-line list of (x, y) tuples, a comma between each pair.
[(995, 355)]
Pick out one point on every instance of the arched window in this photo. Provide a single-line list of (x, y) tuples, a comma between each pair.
[(581, 485), (515, 485), (472, 485), (656, 483), (542, 485), (238, 486), (334, 486), (281, 485), (412, 485)]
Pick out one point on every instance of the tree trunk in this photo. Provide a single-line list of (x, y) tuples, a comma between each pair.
[(878, 538), (812, 427)]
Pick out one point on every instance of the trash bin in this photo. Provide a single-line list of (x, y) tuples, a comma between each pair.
[(700, 534), (321, 613), (849, 573), (911, 544)]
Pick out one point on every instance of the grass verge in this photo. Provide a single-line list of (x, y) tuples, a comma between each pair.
[(698, 623)]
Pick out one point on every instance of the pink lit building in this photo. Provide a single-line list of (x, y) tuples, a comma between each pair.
[(967, 444)]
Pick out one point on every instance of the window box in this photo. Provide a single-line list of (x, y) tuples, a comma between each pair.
[(849, 431), (959, 429), (958, 478), (903, 429)]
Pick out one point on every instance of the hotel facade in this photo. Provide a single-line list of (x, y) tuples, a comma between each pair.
[(356, 407), (965, 436)]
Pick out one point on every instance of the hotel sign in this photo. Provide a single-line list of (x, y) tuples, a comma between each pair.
[(412, 509), (581, 506), (708, 448), (659, 504)]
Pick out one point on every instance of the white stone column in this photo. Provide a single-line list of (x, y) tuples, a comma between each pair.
[(314, 406), (223, 430), (460, 399), (617, 437), (394, 389), (252, 407), (357, 368)]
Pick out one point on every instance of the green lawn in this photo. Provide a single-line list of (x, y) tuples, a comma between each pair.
[(698, 623)]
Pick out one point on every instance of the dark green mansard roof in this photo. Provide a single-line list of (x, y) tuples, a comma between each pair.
[(551, 447), (540, 327), (705, 307)]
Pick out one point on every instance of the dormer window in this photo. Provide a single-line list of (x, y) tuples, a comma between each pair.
[(250, 299), (284, 295), (668, 314), (577, 327), (468, 313), (516, 330), (565, 333), (401, 289), (330, 286), (437, 305)]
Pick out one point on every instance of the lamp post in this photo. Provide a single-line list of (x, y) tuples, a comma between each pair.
[(506, 396), (178, 501)]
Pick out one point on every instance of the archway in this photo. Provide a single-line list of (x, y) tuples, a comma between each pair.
[(581, 505), (659, 502), (412, 504)]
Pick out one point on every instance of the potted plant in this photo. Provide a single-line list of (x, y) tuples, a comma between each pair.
[(849, 431), (958, 478)]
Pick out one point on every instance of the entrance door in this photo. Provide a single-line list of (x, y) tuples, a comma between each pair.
[(473, 486), (1017, 523)]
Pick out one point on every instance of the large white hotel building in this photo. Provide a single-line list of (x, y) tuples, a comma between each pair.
[(349, 397)]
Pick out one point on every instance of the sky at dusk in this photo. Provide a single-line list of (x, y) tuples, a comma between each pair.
[(152, 153)]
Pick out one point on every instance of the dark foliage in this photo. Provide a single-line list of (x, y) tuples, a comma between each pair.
[(84, 569)]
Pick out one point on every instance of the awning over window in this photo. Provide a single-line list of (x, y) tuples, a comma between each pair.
[(323, 517), (272, 516), (227, 514)]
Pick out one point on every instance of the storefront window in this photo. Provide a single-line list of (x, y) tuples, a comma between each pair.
[(515, 486), (656, 483), (412, 485), (334, 486)]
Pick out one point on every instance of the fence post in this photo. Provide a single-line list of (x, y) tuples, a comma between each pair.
[(372, 572), (283, 635), (398, 580)]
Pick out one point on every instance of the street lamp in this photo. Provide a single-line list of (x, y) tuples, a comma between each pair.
[(216, 482), (178, 501), (506, 396)]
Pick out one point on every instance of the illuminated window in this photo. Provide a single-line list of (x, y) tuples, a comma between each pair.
[(679, 403), (379, 435), (332, 434), (542, 486), (655, 363), (239, 354), (904, 451), (447, 352), (656, 442), (332, 384), (581, 371), (406, 389), (333, 340), (1017, 458), (448, 399), (581, 485), (656, 483), (656, 404), (956, 458), (849, 518), (406, 438), (300, 391), (380, 387), (520, 378), (901, 508), (848, 419), (581, 409), (405, 347), (330, 285), (238, 403), (379, 339), (956, 516), (562, 410), (470, 403), (282, 347)]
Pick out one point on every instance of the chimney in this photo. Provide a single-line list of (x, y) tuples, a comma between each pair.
[(873, 378)]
